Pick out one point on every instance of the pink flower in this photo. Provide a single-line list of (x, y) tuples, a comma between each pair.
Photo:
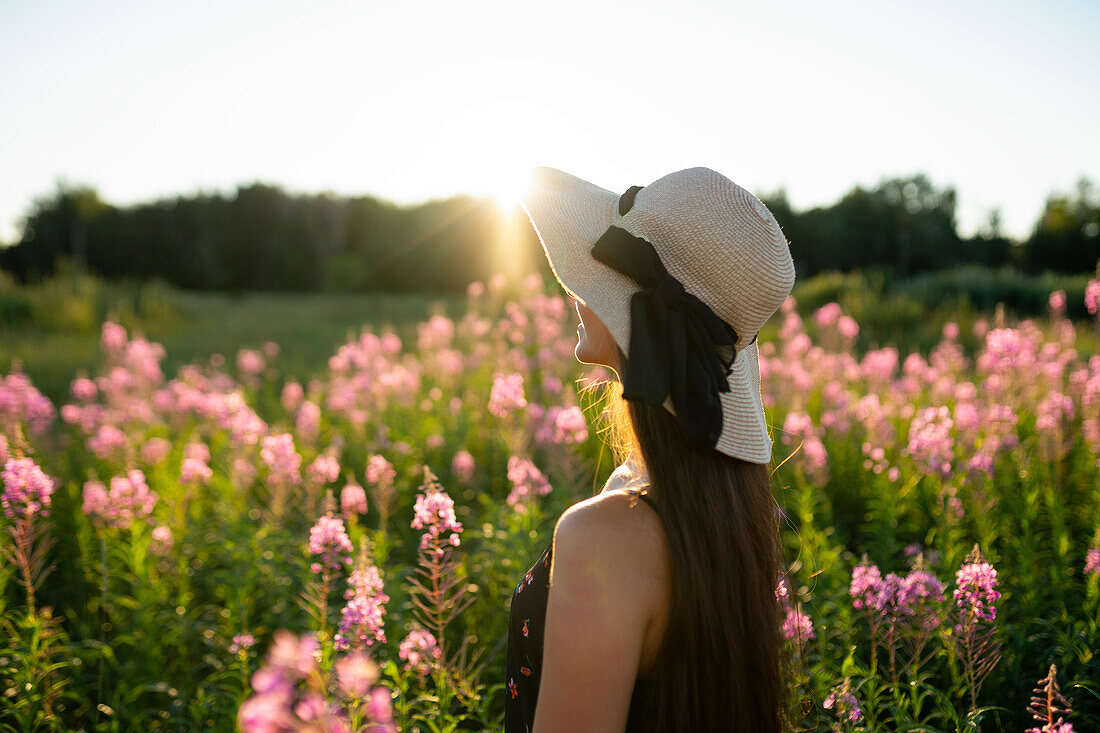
[(108, 442), (308, 420), (113, 337), (199, 451), (195, 471), (155, 450), (325, 469), (27, 489), (83, 389), (866, 588), (1092, 561), (527, 483), (417, 649), (265, 713), (242, 643), (463, 465), (1092, 296), (827, 315), (250, 361), (328, 539), (380, 472), (930, 442), (353, 500), (845, 703), (292, 396), (434, 511), (161, 540), (435, 333), (798, 626), (975, 594), (361, 623), (293, 655), (561, 425), (506, 395), (279, 455), (356, 674), (129, 499)]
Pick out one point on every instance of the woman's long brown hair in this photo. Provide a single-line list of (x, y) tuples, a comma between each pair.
[(718, 668)]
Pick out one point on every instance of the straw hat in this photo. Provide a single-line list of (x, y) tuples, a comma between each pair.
[(721, 254)]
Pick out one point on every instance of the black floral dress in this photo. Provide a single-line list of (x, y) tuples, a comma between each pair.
[(526, 626)]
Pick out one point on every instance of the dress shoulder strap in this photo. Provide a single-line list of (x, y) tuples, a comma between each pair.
[(647, 499)]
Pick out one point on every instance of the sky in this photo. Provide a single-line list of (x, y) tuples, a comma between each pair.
[(410, 101)]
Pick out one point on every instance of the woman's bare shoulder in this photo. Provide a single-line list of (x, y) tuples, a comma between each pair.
[(615, 526)]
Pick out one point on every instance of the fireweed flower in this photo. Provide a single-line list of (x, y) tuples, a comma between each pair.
[(292, 396), (417, 649), (291, 693), (1057, 301), (197, 451), (843, 704), (1058, 726), (975, 594), (108, 442), (361, 622), (20, 402), (930, 443), (128, 499), (242, 643), (356, 674), (353, 500), (1092, 296), (83, 389), (797, 626), (921, 592), (506, 395), (155, 450), (279, 455), (527, 483), (866, 588), (380, 472), (435, 333), (434, 511), (307, 423), (330, 541), (1092, 561), (27, 489), (194, 471), (325, 469), (562, 425), (462, 465), (161, 540), (250, 361), (293, 655)]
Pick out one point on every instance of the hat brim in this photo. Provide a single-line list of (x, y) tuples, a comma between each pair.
[(569, 214)]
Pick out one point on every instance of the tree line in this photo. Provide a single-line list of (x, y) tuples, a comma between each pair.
[(263, 238)]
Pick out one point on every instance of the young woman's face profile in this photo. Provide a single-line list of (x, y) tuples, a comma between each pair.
[(594, 342)]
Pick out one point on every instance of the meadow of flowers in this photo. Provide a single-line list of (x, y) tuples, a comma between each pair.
[(232, 548)]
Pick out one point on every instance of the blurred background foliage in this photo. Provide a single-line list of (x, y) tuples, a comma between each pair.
[(263, 238)]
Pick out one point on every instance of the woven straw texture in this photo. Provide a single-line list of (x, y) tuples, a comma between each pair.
[(712, 235)]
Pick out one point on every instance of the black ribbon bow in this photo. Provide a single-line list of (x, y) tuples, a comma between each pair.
[(676, 340)]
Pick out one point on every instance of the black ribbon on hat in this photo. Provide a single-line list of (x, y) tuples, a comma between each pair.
[(676, 340)]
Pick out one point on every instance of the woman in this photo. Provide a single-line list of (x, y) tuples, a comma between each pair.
[(661, 617)]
